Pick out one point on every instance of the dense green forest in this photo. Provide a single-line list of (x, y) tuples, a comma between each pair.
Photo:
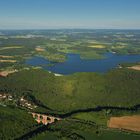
[(14, 123), (119, 88)]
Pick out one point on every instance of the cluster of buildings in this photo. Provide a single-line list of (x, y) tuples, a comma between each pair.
[(5, 96), (18, 101), (25, 103)]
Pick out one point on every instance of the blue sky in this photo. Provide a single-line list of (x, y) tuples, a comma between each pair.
[(43, 14)]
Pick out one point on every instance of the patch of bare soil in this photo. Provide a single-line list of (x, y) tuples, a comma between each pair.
[(137, 67), (6, 73), (39, 49), (5, 56), (8, 61), (126, 122)]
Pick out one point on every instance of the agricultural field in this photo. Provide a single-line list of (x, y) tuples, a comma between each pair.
[(125, 122)]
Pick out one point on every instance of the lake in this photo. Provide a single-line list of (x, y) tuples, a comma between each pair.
[(75, 64)]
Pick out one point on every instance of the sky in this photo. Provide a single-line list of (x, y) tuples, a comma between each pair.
[(46, 14)]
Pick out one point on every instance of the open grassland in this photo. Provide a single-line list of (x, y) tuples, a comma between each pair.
[(91, 55), (100, 118)]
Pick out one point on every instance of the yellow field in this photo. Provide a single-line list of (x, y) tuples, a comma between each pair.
[(7, 61), (12, 47), (97, 46), (5, 56)]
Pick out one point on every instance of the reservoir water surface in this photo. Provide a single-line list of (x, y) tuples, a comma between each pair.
[(75, 64)]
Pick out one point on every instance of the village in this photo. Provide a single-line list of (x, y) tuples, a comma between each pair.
[(6, 99)]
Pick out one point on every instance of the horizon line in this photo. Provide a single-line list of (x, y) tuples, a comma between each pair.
[(72, 29)]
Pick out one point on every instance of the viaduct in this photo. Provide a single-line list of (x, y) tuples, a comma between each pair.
[(44, 119)]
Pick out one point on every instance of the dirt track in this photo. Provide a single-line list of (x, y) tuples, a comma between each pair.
[(126, 122)]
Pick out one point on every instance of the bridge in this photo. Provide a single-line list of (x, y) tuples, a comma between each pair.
[(44, 119)]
